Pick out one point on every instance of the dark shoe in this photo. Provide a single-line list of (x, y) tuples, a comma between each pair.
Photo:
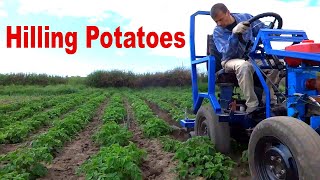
[(258, 115)]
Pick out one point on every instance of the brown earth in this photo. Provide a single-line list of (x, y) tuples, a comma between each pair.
[(240, 172), (75, 152), (158, 163), (178, 133), (6, 148)]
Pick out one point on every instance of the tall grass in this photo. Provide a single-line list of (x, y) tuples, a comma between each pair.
[(39, 90), (117, 78), (30, 79), (100, 79)]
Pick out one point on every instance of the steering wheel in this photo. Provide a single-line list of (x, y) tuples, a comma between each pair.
[(268, 14), (276, 16)]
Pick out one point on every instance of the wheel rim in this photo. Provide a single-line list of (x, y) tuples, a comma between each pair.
[(203, 131), (274, 161)]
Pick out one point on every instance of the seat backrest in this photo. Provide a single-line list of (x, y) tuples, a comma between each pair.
[(213, 51)]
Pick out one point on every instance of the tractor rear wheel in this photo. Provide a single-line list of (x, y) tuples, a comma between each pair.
[(207, 124), (286, 148)]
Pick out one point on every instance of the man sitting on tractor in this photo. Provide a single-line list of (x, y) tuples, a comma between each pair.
[(226, 38)]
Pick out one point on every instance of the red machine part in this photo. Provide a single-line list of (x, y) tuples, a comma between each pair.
[(318, 83), (313, 84), (305, 46)]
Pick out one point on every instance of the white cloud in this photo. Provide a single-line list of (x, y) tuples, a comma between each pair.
[(76, 8), (3, 13), (43, 61), (104, 28), (120, 52), (94, 20), (56, 62)]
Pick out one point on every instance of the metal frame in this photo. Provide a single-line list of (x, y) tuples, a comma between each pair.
[(195, 60), (264, 37)]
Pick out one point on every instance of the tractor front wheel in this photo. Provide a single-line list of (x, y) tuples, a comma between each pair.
[(207, 124), (285, 148)]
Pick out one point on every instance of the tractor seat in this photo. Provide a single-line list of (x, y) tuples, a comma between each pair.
[(222, 76)]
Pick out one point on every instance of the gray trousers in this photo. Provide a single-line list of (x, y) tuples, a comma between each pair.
[(244, 72)]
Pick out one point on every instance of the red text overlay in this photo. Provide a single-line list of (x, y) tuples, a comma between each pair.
[(42, 37)]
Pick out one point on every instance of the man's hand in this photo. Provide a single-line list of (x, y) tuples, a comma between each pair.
[(241, 27)]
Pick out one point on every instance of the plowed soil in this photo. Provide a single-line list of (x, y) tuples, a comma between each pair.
[(158, 164), (75, 152)]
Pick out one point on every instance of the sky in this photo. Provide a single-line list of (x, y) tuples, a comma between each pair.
[(129, 15)]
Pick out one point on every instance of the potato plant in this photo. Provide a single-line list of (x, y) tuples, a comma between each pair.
[(114, 162), (118, 157), (152, 126), (197, 157), (29, 160)]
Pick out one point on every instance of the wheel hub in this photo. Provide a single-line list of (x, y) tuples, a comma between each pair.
[(278, 163), (204, 129), (274, 160)]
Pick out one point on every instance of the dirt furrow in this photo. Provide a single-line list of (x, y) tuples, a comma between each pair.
[(75, 152), (6, 148), (178, 132), (159, 164)]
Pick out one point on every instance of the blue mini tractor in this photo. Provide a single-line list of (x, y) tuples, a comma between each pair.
[(284, 140)]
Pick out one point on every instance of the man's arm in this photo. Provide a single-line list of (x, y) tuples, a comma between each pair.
[(257, 25), (228, 47)]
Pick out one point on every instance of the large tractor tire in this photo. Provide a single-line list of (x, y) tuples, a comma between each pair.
[(207, 124), (286, 148)]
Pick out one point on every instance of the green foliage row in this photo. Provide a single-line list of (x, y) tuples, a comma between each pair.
[(65, 129), (118, 157), (152, 126), (175, 102), (112, 133), (115, 111), (25, 163), (19, 130), (29, 162), (197, 157), (39, 90), (115, 162), (19, 102), (32, 108)]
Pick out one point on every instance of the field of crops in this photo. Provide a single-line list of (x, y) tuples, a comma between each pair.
[(63, 132)]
